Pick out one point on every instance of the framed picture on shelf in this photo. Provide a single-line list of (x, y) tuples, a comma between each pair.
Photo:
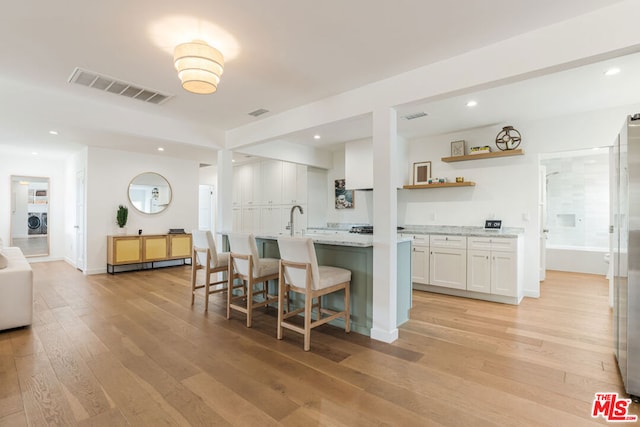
[(421, 173), (457, 148), (344, 197)]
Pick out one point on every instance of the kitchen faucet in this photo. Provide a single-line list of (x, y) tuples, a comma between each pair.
[(291, 216)]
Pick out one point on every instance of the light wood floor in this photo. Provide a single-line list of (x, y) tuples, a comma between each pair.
[(129, 350)]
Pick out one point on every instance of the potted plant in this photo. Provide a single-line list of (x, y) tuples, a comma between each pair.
[(121, 218)]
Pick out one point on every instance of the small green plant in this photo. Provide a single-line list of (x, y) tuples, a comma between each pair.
[(121, 216)]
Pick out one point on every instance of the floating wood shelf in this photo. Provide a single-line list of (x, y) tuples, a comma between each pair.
[(441, 185), (505, 153)]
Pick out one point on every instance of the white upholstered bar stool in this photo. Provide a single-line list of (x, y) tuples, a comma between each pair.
[(206, 266), (245, 264), (299, 272)]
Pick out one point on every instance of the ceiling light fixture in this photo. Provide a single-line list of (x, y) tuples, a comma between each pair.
[(53, 132), (160, 149), (612, 71), (472, 103), (316, 136), (199, 66), (35, 153)]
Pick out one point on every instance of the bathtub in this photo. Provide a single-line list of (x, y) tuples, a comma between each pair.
[(579, 259)]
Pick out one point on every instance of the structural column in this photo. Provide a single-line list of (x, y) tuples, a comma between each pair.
[(224, 188), (385, 219)]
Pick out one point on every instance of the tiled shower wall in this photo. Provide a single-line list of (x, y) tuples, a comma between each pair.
[(578, 199)]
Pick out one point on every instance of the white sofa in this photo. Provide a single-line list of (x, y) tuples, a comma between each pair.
[(16, 290)]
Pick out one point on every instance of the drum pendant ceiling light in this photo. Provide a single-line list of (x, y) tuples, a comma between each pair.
[(199, 66)]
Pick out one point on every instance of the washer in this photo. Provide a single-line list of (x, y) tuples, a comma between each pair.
[(34, 223)]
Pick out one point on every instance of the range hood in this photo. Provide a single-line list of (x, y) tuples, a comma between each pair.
[(358, 164)]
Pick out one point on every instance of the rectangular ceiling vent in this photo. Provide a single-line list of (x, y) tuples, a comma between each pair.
[(117, 87), (259, 112), (414, 115)]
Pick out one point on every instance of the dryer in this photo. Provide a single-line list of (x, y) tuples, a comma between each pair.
[(34, 223)]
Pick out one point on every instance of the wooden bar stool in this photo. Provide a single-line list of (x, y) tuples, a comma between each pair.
[(206, 265), (246, 264), (299, 272)]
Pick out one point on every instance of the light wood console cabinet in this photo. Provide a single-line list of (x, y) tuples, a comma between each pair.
[(145, 251)]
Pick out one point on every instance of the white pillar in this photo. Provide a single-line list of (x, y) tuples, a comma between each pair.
[(224, 189), (385, 221)]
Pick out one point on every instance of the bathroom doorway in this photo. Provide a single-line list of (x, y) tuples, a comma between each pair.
[(577, 210)]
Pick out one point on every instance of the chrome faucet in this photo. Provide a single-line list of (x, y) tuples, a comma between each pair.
[(293, 208)]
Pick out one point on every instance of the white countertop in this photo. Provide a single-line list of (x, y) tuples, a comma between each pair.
[(339, 239), (462, 231)]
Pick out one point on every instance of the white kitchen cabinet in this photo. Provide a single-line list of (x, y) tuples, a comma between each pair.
[(236, 218), (271, 219), (419, 259), (251, 219), (270, 183), (448, 261), (245, 178), (294, 184), (478, 271), (492, 266)]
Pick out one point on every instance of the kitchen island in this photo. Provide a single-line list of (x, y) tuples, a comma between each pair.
[(355, 253)]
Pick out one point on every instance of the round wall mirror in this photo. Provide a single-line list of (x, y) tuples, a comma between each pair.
[(150, 193)]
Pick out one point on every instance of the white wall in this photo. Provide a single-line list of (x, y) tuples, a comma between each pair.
[(506, 188), (40, 166), (108, 175)]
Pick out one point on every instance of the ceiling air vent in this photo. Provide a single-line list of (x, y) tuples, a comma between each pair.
[(259, 112), (414, 115), (117, 87)]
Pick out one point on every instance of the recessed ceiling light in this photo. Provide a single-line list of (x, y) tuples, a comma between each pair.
[(472, 103), (53, 132), (316, 136), (160, 149), (612, 71), (35, 153)]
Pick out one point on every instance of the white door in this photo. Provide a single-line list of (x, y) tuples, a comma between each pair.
[(544, 230), (79, 223)]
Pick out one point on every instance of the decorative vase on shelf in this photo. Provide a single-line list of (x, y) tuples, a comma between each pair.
[(122, 231), (508, 138)]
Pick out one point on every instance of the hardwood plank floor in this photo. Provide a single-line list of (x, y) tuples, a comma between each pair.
[(128, 349)]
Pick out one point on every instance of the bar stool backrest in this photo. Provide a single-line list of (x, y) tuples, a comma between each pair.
[(301, 250), (244, 244)]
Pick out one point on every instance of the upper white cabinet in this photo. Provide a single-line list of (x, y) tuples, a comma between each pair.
[(294, 184), (358, 164), (263, 193), (270, 182)]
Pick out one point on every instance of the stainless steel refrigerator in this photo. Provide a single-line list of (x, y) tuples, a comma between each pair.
[(626, 254)]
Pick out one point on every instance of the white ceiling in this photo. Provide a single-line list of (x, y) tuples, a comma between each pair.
[(287, 53)]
